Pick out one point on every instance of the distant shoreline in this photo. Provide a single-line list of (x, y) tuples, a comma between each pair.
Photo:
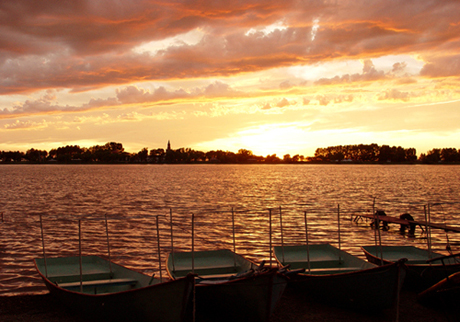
[(228, 163)]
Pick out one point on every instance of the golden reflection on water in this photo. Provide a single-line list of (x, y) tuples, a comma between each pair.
[(133, 196)]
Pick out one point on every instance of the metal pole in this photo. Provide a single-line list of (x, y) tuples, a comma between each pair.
[(108, 245), (234, 239), (375, 221), (338, 224), (79, 253), (159, 249), (426, 228), (270, 234), (172, 240), (380, 237), (43, 245), (306, 237), (282, 238), (428, 237), (193, 244)]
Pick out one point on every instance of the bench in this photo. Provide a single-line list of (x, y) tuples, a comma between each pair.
[(323, 264), (72, 274), (332, 270), (96, 283), (211, 272)]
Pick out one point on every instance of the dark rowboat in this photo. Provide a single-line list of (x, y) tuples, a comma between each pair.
[(229, 287), (338, 277), (421, 272), (445, 293), (105, 290)]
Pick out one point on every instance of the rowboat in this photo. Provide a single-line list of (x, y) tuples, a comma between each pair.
[(229, 287), (445, 293), (338, 277), (105, 290), (420, 273)]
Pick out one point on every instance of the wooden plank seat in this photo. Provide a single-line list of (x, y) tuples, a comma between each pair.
[(72, 274), (323, 264), (218, 272), (103, 282), (331, 270)]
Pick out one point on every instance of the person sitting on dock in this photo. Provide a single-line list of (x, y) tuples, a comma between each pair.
[(411, 226)]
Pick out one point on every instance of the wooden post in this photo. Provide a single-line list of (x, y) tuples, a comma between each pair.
[(282, 237), (306, 238), (43, 245), (159, 248), (172, 240), (108, 245), (79, 255)]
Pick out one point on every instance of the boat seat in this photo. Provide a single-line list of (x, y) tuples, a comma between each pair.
[(75, 277), (209, 272), (332, 270), (323, 264), (216, 276), (104, 282)]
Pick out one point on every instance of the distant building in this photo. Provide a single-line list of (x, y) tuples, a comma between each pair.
[(169, 146)]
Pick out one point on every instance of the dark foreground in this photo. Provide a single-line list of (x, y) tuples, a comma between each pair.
[(292, 307)]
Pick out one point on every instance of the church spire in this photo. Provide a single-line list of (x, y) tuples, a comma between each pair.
[(169, 146)]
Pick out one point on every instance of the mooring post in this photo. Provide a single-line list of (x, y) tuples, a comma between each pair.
[(282, 237), (234, 238), (193, 243), (159, 248), (43, 246), (108, 244), (270, 234), (172, 239), (306, 238), (79, 253)]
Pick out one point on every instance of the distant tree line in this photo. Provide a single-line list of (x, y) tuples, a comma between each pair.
[(366, 153), (113, 152)]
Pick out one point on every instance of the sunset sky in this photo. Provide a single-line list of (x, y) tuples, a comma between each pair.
[(282, 77)]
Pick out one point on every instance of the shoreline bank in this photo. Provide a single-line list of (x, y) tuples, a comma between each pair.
[(292, 307)]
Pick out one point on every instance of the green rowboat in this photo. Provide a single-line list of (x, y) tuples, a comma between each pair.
[(229, 287), (101, 289), (420, 273), (340, 278)]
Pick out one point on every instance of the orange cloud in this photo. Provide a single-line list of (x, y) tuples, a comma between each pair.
[(84, 45)]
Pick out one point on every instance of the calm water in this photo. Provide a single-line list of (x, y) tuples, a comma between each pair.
[(132, 196)]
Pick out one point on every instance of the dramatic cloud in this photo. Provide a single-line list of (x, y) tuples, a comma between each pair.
[(170, 66), (80, 45)]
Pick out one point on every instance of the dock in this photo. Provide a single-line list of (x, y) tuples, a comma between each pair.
[(395, 220)]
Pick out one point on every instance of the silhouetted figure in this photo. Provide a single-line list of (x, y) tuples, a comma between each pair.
[(378, 215), (411, 226)]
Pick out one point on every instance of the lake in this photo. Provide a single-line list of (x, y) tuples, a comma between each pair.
[(262, 198)]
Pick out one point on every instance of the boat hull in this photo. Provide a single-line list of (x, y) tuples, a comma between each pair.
[(369, 289), (229, 287), (420, 274), (165, 301), (445, 293), (342, 279), (252, 298)]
